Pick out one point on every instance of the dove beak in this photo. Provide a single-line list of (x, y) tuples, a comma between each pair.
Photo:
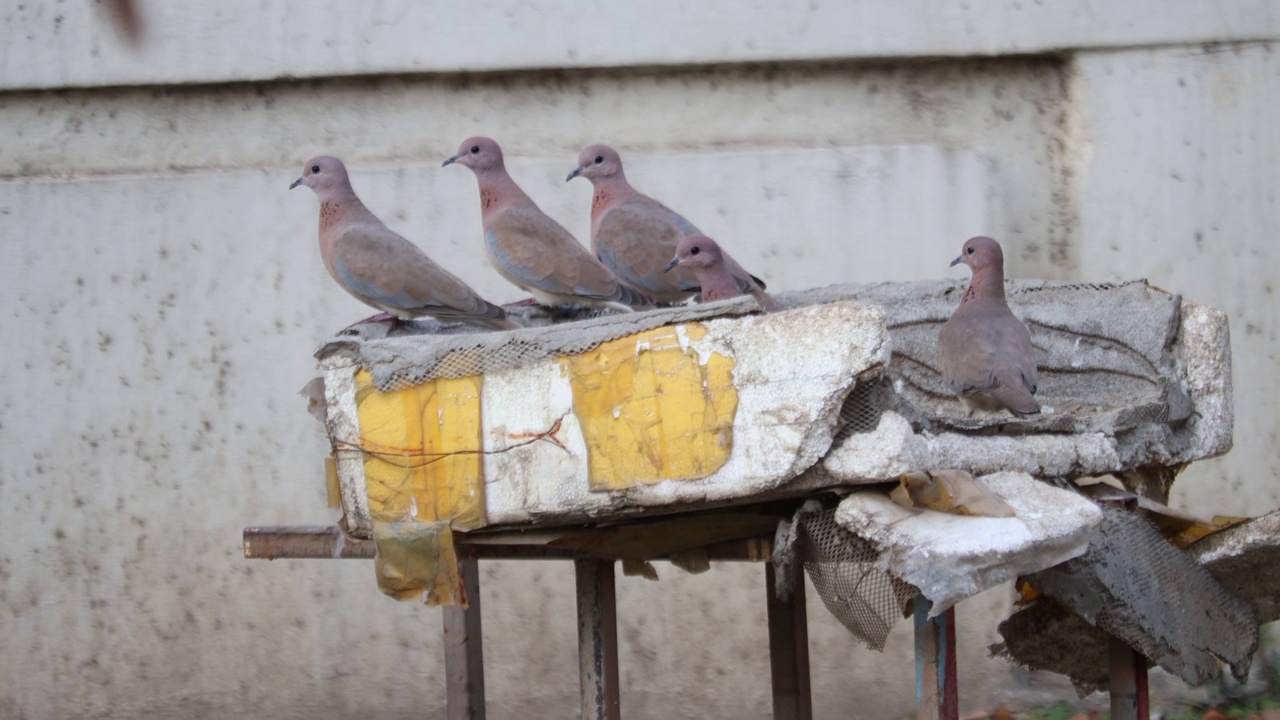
[(674, 262), (295, 183), (450, 161), (576, 172), (957, 261)]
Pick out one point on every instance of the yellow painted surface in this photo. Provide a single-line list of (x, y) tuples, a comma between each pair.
[(424, 474), (650, 411), (422, 449), (333, 486)]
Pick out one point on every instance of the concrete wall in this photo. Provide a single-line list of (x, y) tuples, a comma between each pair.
[(163, 294)]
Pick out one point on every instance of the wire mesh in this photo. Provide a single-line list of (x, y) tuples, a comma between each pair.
[(863, 407), (843, 568), (432, 350), (1136, 586)]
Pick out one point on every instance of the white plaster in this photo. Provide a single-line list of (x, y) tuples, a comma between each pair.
[(51, 45), (950, 557)]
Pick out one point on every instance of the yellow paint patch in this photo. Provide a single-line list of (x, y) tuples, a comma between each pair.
[(333, 487), (650, 411), (424, 473)]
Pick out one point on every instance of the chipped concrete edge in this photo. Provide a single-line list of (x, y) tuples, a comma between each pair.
[(343, 425), (1204, 351), (1234, 542), (1050, 526)]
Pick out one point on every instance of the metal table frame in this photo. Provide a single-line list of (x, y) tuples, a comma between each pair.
[(935, 638)]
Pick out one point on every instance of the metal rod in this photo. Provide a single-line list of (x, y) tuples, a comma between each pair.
[(788, 650), (1128, 683), (597, 640), (326, 541), (464, 649), (937, 689), (330, 542)]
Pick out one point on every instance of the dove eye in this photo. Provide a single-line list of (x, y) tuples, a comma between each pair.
[(694, 250), (475, 149), (315, 168), (970, 251), (599, 159)]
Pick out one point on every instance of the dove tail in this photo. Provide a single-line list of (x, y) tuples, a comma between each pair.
[(1017, 398), (499, 323), (493, 317), (766, 303), (632, 298)]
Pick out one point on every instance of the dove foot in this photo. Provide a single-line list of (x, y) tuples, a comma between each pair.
[(379, 317)]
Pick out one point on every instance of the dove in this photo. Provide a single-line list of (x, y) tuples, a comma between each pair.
[(381, 268), (531, 250), (703, 256), (635, 235), (983, 350)]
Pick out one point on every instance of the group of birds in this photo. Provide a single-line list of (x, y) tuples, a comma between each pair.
[(642, 254)]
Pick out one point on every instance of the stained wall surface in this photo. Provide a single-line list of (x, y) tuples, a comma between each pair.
[(162, 294)]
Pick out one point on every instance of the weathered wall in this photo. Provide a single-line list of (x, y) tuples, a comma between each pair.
[(55, 44), (162, 296)]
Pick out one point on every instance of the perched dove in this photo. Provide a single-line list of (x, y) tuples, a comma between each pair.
[(703, 256), (530, 249), (635, 235), (379, 267), (983, 350)]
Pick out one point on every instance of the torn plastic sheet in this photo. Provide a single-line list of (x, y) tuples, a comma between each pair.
[(417, 558), (951, 557)]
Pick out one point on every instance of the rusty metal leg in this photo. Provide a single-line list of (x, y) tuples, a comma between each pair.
[(788, 651), (597, 640), (937, 696), (1129, 699), (463, 649)]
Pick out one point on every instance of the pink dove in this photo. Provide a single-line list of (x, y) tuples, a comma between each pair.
[(635, 235), (381, 268), (983, 350), (530, 249), (703, 257)]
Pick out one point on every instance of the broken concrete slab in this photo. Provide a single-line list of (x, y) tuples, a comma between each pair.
[(601, 418), (951, 557), (1134, 585), (1246, 560), (1047, 636), (1130, 376)]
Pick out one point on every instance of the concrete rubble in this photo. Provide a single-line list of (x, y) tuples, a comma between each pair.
[(950, 557), (839, 392), (1134, 585), (1140, 379)]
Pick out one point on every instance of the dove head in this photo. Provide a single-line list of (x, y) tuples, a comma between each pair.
[(481, 154), (696, 251), (324, 175), (597, 162), (981, 253)]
